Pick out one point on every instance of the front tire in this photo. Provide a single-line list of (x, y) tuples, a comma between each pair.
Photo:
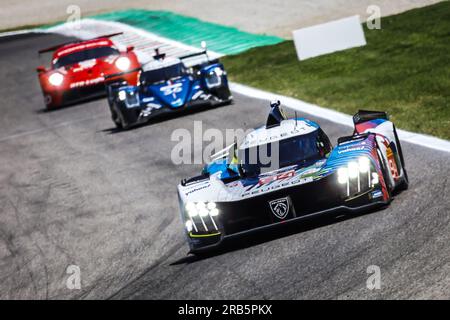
[(118, 118), (115, 118)]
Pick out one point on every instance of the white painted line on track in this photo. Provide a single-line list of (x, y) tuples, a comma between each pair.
[(144, 42), (19, 32), (337, 117)]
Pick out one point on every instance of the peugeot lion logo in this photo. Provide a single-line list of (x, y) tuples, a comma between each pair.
[(279, 207)]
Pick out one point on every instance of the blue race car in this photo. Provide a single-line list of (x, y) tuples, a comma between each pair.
[(241, 191), (166, 86)]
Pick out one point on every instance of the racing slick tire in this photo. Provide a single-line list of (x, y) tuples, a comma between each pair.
[(115, 118), (223, 93), (118, 118)]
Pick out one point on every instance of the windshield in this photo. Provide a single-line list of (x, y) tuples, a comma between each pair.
[(84, 55), (299, 150), (163, 74)]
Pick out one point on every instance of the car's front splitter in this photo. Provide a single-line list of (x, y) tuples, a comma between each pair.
[(138, 115), (222, 238)]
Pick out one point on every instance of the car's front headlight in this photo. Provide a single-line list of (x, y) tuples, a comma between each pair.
[(218, 71), (123, 63), (357, 175), (122, 95), (202, 209), (342, 175), (214, 78), (56, 79), (364, 164), (353, 169)]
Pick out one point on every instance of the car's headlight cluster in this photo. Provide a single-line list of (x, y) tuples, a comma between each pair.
[(353, 169), (214, 78), (218, 71), (122, 95), (202, 209), (56, 79), (357, 172), (123, 63), (201, 216), (130, 98)]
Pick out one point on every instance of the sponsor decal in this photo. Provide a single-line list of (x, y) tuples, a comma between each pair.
[(148, 110), (377, 194), (197, 189), (274, 186), (172, 89), (279, 207), (392, 163), (85, 83), (148, 99), (281, 176), (351, 149)]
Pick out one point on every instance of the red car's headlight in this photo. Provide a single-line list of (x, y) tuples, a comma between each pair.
[(56, 79), (123, 63)]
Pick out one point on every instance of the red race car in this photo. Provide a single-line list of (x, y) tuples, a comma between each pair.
[(78, 70)]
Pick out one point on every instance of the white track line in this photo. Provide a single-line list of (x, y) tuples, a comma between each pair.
[(337, 117), (144, 42), (19, 32)]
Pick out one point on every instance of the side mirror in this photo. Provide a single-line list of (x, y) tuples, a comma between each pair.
[(130, 48), (40, 69)]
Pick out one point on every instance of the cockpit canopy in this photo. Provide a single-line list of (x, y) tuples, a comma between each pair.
[(302, 150), (160, 71)]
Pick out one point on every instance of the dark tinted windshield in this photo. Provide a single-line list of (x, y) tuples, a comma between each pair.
[(85, 55), (163, 74), (293, 151)]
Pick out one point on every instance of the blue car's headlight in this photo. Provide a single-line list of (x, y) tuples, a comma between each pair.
[(214, 78), (130, 97)]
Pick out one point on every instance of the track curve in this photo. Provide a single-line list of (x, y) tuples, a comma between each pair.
[(73, 191)]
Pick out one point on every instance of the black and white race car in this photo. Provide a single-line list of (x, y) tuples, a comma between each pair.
[(241, 191)]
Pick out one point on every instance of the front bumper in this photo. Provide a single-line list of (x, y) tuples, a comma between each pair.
[(214, 241), (55, 97), (256, 212), (59, 98)]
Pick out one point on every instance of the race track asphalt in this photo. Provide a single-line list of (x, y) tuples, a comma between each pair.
[(75, 192)]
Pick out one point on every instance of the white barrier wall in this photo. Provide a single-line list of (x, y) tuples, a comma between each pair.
[(329, 37)]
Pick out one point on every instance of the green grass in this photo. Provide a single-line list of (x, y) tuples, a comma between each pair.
[(404, 70)]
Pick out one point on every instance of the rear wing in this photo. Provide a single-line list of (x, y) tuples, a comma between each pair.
[(195, 59), (116, 76), (371, 121), (365, 115), (356, 137), (50, 49)]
